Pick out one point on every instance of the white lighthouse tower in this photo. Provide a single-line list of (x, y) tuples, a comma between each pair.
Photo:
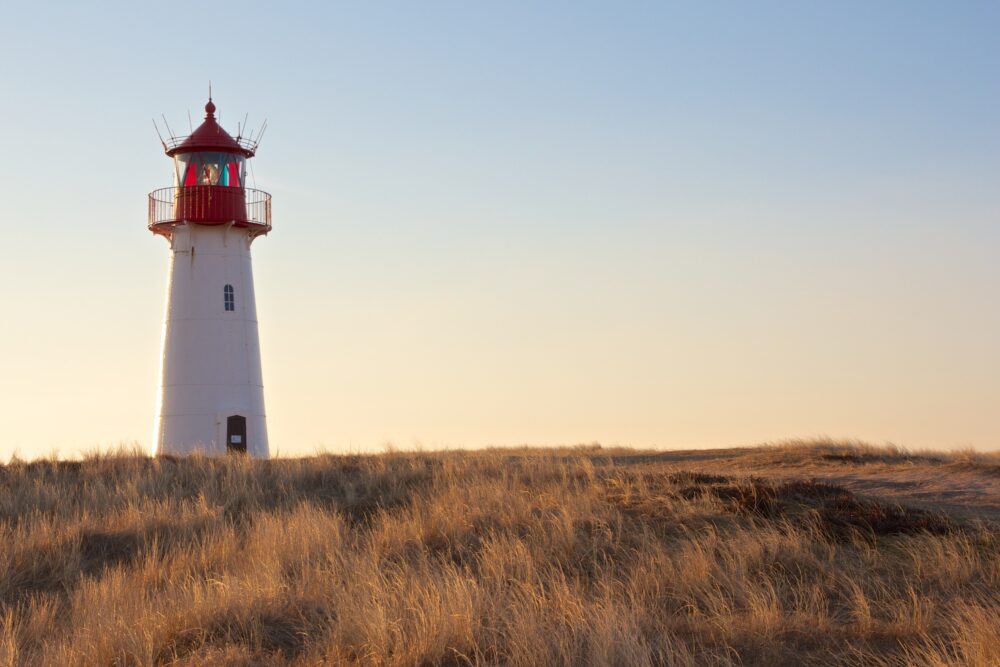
[(211, 395)]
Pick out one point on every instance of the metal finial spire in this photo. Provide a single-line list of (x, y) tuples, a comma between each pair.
[(210, 107)]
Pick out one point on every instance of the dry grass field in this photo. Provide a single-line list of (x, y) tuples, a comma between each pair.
[(800, 554)]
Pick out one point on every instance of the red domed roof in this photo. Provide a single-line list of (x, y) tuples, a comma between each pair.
[(209, 136)]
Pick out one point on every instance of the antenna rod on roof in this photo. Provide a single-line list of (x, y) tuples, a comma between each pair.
[(260, 134), (159, 135), (168, 126), (190, 124), (244, 126), (209, 90)]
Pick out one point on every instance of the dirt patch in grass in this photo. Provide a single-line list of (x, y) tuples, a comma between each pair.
[(841, 513), (689, 477), (862, 458)]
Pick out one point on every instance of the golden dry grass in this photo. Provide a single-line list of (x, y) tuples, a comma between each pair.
[(763, 556)]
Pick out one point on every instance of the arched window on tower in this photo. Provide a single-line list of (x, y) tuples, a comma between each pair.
[(229, 297)]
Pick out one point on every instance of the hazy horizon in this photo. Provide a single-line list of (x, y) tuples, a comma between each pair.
[(646, 225)]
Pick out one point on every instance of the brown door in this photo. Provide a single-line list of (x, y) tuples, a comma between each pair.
[(236, 434)]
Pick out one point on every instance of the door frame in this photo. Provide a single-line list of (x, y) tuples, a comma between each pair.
[(236, 428)]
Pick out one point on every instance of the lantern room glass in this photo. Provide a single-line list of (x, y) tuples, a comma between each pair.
[(220, 169)]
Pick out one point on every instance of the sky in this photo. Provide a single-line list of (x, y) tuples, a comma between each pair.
[(648, 224)]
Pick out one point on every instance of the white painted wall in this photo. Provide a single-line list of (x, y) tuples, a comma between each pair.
[(210, 368)]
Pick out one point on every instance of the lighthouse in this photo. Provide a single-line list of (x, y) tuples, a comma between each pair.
[(211, 392)]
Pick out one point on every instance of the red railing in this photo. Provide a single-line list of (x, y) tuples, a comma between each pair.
[(210, 204)]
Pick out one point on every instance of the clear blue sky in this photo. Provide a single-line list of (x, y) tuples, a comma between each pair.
[(639, 223)]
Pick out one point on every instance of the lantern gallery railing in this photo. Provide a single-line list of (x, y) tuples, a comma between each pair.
[(210, 204)]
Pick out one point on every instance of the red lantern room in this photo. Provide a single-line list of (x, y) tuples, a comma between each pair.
[(209, 183)]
